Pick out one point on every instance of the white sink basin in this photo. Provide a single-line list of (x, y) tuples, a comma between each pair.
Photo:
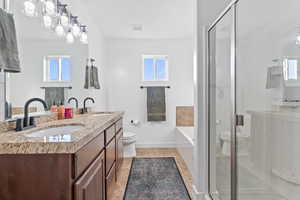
[(101, 114), (55, 131)]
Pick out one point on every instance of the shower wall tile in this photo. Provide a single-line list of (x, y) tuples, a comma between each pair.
[(185, 116)]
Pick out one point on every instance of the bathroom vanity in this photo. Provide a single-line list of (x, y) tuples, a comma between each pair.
[(82, 165)]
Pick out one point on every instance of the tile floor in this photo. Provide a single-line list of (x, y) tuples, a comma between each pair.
[(148, 153)]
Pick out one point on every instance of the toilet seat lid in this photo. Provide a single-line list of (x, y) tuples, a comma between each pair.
[(127, 135)]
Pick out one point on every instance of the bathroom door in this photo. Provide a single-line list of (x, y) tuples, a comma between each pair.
[(221, 104)]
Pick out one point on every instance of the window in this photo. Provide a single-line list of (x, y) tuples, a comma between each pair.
[(57, 69), (290, 69), (155, 68)]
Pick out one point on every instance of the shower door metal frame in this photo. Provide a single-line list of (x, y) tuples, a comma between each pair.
[(233, 162)]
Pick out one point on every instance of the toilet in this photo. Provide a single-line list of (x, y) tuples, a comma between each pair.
[(129, 140), (242, 140)]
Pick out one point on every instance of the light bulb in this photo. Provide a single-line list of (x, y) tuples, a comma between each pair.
[(76, 30), (70, 37), (47, 21), (64, 20), (50, 7), (29, 8), (60, 30), (84, 38)]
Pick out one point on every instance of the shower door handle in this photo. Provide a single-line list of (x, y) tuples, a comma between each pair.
[(239, 120)]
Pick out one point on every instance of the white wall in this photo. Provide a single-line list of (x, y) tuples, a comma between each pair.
[(125, 78)]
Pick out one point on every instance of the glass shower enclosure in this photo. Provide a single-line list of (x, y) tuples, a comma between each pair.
[(254, 101)]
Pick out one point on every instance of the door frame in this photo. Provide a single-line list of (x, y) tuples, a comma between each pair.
[(232, 7)]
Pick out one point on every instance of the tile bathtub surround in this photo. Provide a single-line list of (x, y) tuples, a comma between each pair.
[(185, 116), (148, 153), (12, 142), (20, 110)]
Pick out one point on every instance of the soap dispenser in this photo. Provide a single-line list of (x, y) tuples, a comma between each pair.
[(61, 111)]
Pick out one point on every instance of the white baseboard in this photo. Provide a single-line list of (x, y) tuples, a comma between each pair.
[(156, 145), (207, 197), (198, 195)]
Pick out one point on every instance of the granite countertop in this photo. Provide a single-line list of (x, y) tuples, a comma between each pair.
[(13, 142)]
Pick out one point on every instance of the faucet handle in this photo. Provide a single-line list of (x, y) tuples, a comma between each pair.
[(20, 124), (32, 121)]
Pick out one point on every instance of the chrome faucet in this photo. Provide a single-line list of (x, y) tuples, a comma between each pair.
[(76, 101), (28, 122), (84, 104)]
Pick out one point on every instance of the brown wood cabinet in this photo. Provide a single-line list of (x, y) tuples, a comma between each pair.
[(91, 185), (88, 174)]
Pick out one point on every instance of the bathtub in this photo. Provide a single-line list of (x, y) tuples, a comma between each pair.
[(185, 142)]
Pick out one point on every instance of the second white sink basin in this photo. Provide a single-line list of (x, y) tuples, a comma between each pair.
[(55, 131), (98, 114)]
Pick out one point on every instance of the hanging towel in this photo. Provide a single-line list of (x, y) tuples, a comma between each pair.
[(156, 104), (94, 80), (54, 95), (9, 55), (87, 79), (274, 77)]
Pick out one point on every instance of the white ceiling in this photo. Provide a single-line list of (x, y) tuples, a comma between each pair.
[(159, 18)]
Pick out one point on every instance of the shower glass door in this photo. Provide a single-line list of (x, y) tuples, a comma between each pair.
[(268, 96), (220, 112)]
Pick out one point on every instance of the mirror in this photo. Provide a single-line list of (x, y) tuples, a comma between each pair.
[(51, 69)]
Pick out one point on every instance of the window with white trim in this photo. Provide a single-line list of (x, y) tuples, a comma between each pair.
[(57, 69), (155, 68), (290, 69)]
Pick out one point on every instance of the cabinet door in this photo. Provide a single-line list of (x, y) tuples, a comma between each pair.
[(119, 150), (110, 155), (91, 185), (111, 182)]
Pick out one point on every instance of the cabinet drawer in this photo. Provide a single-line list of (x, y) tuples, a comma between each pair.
[(110, 133), (110, 182), (85, 156), (110, 154), (119, 125)]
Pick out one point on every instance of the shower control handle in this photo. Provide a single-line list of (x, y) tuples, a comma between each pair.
[(239, 120)]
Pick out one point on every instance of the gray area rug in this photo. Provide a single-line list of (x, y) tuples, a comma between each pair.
[(155, 179)]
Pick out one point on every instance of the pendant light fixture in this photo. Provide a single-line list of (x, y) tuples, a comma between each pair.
[(55, 16), (50, 7), (47, 20), (75, 26), (64, 16), (59, 29), (70, 37), (83, 36), (29, 8)]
